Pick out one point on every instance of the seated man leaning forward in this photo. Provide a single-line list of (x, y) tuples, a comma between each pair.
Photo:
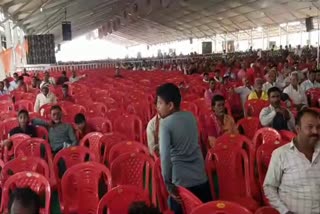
[(61, 135), (219, 123)]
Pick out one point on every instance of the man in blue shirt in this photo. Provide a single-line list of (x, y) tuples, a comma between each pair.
[(181, 158)]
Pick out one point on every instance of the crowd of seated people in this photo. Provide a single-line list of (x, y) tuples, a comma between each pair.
[(173, 134)]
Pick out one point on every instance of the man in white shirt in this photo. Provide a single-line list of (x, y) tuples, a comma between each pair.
[(153, 134), (74, 77), (13, 85), (48, 80), (292, 183), (295, 92), (45, 97), (272, 81), (244, 91), (274, 115), (310, 82)]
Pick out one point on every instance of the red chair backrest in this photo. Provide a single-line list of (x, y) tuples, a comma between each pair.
[(249, 126), (80, 187), (34, 181), (42, 133), (132, 169), (20, 164), (16, 140), (45, 111), (189, 106), (92, 141), (189, 200), (130, 126), (9, 124), (101, 124), (71, 156), (24, 104), (264, 153), (265, 135), (96, 108), (113, 202), (160, 193), (287, 135), (108, 141), (142, 109), (254, 107), (231, 166), (6, 106), (126, 147), (220, 207)]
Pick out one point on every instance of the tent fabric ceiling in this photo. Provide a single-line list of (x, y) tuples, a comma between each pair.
[(132, 22)]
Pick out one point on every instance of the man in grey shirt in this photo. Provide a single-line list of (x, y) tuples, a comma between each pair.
[(60, 134), (181, 158)]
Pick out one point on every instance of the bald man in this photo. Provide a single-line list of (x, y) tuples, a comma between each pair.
[(258, 93)]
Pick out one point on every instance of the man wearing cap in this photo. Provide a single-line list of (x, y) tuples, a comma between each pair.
[(45, 97)]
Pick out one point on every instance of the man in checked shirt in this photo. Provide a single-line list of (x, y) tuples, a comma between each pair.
[(292, 183)]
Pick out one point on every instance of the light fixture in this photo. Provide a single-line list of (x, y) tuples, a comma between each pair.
[(41, 9)]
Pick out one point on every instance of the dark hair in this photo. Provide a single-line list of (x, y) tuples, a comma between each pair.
[(142, 208), (273, 89), (56, 107), (313, 72), (79, 118), (205, 74), (64, 72), (212, 79), (27, 198), (216, 98), (169, 92), (65, 86), (304, 112), (15, 74), (23, 111)]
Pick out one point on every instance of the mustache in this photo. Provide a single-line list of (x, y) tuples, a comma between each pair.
[(314, 135)]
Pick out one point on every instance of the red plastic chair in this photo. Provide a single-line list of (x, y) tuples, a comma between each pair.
[(45, 111), (92, 141), (254, 107), (265, 135), (8, 125), (42, 133), (16, 140), (7, 115), (231, 166), (101, 124), (159, 190), (130, 126), (266, 210), (220, 207), (80, 187), (72, 111), (249, 126), (35, 181), (32, 164), (69, 157), (287, 135), (6, 106), (119, 199), (126, 147), (132, 169), (96, 109), (141, 109), (23, 104), (5, 98), (37, 147), (108, 141), (189, 106), (189, 200), (264, 154)]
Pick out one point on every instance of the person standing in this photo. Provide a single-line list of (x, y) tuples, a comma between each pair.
[(180, 154), (292, 183)]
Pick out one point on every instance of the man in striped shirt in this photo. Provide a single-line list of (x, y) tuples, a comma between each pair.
[(292, 183)]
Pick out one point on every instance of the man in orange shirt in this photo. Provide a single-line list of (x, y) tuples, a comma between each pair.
[(219, 123)]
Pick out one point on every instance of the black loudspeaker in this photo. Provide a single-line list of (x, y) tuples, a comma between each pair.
[(191, 40), (206, 47), (66, 31), (41, 49), (309, 24)]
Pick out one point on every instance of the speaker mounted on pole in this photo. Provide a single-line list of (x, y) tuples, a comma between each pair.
[(66, 31), (309, 24)]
